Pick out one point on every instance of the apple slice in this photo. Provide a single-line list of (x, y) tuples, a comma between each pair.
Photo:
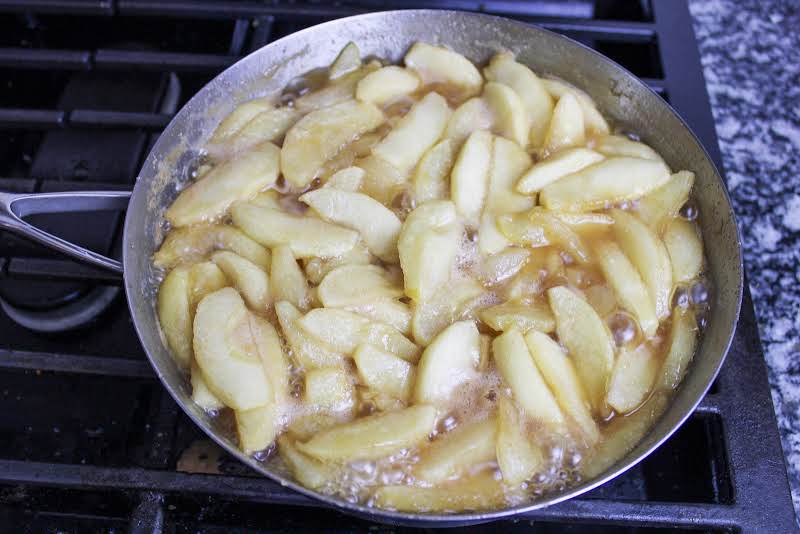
[(450, 303), (431, 178), (479, 492), (619, 145), (659, 206), (385, 310), (347, 179), (201, 395), (205, 277), (566, 127), (682, 343), (308, 353), (557, 166), (348, 60), (377, 224), (685, 249), (447, 362), (436, 64), (308, 471), (384, 372), (633, 377), (249, 279), (469, 180), (236, 179), (174, 314), (287, 281), (336, 91), (523, 317), (511, 121), (192, 243), (518, 456), (386, 84), (256, 428), (240, 116), (329, 389), (351, 285), (472, 115), (588, 341), (456, 452), (596, 125)]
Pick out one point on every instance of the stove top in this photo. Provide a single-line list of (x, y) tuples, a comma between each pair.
[(91, 442)]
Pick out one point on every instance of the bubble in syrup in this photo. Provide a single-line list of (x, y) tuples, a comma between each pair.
[(698, 293), (689, 211), (623, 328), (680, 297), (575, 458), (448, 423)]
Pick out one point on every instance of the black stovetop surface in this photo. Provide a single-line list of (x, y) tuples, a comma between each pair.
[(91, 442)]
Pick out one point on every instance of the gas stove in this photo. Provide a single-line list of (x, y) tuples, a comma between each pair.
[(91, 442)]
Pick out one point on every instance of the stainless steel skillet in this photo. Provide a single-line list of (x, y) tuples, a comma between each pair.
[(619, 95)]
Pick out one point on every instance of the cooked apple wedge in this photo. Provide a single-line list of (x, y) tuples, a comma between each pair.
[(595, 123), (251, 281), (523, 317), (174, 314), (347, 179), (429, 241), (268, 126), (558, 233), (386, 310), (448, 304), (659, 206), (240, 116), (472, 115), (348, 60), (329, 389), (557, 166), (337, 91), (192, 243), (382, 180), (308, 471), (447, 362), (350, 285), (416, 132), (456, 452), (511, 121), (308, 353), (377, 224), (682, 343), (503, 265), (201, 395), (373, 437), (273, 358), (648, 254), (432, 175), (318, 268), (287, 281), (469, 180), (226, 351), (236, 179), (204, 278), (320, 135), (256, 428), (344, 331), (628, 286), (588, 341), (384, 372), (566, 127), (559, 372), (518, 456), (536, 101), (306, 236), (516, 366), (685, 249), (479, 492), (436, 64), (611, 180), (632, 379), (619, 145), (386, 84)]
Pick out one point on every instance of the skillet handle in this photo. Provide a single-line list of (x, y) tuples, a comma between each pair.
[(15, 206)]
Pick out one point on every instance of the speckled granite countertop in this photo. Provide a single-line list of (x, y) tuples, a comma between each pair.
[(751, 59)]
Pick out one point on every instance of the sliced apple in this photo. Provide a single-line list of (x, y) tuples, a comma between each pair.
[(633, 377), (373, 437), (456, 452), (588, 341), (384, 372), (287, 281), (559, 372), (268, 126), (336, 91), (566, 127), (685, 249), (240, 116), (519, 372), (432, 175), (518, 456), (347, 179), (428, 244), (416, 132), (648, 254), (201, 395), (256, 428), (329, 389), (659, 206), (556, 166), (251, 281), (479, 492), (306, 236), (382, 180), (503, 265), (611, 180), (308, 353), (436, 64), (320, 135), (536, 101), (682, 344), (273, 358), (596, 125), (318, 268), (523, 317), (307, 470), (236, 179), (192, 243), (619, 145), (628, 286), (448, 304), (511, 121), (356, 284), (348, 60), (385, 310), (226, 352), (472, 115), (386, 84), (447, 362), (205, 277), (378, 225), (469, 180), (174, 314)]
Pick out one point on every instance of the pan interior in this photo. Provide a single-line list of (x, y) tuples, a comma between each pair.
[(619, 95)]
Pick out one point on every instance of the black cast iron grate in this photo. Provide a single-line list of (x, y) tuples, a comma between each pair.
[(90, 441)]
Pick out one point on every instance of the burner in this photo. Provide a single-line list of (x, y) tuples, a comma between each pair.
[(73, 314)]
